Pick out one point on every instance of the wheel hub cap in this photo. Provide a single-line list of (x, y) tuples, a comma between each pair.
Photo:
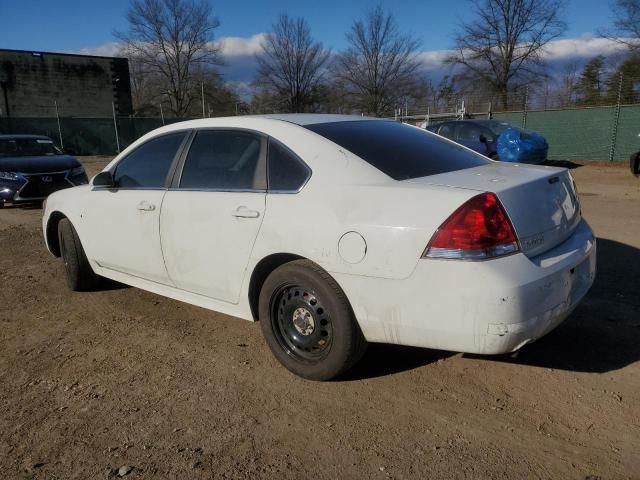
[(303, 321)]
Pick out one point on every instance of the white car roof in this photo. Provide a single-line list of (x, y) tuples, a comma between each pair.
[(312, 118)]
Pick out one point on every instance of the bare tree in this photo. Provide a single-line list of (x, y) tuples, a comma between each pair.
[(626, 23), (503, 47), (569, 85), (170, 40), (292, 63), (380, 66)]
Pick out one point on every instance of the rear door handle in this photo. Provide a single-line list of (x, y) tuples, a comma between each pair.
[(146, 206), (244, 212)]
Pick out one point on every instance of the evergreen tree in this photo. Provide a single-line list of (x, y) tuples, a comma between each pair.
[(591, 86)]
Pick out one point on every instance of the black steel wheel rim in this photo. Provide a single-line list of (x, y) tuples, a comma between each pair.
[(301, 323)]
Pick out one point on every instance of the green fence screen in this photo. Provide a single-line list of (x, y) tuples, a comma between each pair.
[(598, 133)]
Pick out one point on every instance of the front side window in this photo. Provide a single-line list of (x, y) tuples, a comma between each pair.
[(148, 165), (225, 160), (286, 172)]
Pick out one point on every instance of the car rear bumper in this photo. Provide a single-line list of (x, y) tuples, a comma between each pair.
[(489, 307)]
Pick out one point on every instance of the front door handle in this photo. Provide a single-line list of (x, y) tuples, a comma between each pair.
[(244, 212), (146, 206)]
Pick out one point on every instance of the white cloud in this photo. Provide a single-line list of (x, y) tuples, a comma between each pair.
[(240, 46), (433, 58), (240, 64), (585, 47), (111, 49)]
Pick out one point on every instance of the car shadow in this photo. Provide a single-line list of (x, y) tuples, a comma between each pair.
[(603, 333), (381, 360), (563, 163), (106, 285), (23, 206)]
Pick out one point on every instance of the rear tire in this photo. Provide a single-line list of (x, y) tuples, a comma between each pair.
[(80, 275), (308, 323)]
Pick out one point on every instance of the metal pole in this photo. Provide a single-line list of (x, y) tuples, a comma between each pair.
[(526, 101), (161, 114), (202, 92), (616, 120), (55, 102), (115, 126)]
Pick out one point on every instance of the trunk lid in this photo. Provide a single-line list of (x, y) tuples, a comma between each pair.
[(541, 201)]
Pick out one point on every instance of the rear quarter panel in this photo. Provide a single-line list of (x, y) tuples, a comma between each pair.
[(396, 220)]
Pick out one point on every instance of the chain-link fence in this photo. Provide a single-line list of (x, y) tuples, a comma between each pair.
[(564, 93), (598, 123), (601, 126), (83, 135)]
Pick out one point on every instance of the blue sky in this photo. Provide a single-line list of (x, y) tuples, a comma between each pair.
[(86, 26), (71, 25)]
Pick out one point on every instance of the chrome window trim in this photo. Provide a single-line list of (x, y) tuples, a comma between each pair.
[(227, 190)]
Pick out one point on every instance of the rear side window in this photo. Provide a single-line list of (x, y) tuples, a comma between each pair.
[(398, 150), (148, 165), (286, 171), (471, 132), (225, 160)]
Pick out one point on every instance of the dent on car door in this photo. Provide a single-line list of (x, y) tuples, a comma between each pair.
[(122, 223), (213, 211)]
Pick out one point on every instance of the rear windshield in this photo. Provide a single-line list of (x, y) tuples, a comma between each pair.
[(398, 150)]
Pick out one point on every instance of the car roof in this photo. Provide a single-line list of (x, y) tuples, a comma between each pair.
[(23, 136), (313, 118)]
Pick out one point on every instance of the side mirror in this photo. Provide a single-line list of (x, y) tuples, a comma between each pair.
[(483, 139), (634, 163), (103, 179)]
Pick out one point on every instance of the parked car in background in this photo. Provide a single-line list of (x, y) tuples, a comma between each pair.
[(634, 164), (333, 231), (32, 167), (496, 140)]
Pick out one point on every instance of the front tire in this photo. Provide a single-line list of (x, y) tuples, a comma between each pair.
[(308, 323), (80, 275)]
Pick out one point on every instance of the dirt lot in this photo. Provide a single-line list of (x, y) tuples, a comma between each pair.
[(91, 382)]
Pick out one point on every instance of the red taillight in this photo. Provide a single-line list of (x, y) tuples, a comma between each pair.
[(477, 230)]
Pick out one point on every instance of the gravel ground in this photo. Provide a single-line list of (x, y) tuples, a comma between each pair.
[(122, 382)]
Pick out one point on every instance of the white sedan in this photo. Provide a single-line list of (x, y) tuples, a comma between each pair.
[(333, 231)]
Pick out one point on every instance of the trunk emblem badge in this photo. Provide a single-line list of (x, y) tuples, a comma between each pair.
[(47, 179)]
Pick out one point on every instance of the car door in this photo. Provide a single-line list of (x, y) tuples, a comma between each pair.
[(212, 213), (121, 224)]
